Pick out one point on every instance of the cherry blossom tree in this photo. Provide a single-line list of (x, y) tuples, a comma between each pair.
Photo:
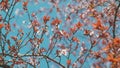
[(59, 34)]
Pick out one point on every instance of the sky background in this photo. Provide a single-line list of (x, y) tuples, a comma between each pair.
[(22, 21)]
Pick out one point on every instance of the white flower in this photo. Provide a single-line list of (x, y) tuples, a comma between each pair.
[(32, 61), (35, 43), (118, 49), (6, 10), (97, 35), (61, 32), (17, 11), (38, 32), (81, 51), (91, 33), (88, 10), (64, 52)]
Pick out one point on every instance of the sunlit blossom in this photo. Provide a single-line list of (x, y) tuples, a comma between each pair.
[(64, 52)]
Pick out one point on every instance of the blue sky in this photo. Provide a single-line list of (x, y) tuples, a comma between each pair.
[(22, 21)]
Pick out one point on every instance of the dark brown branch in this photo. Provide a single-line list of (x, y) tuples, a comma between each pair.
[(46, 57), (54, 61), (5, 66), (114, 23), (8, 11)]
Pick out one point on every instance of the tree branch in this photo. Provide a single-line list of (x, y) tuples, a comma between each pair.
[(114, 23)]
